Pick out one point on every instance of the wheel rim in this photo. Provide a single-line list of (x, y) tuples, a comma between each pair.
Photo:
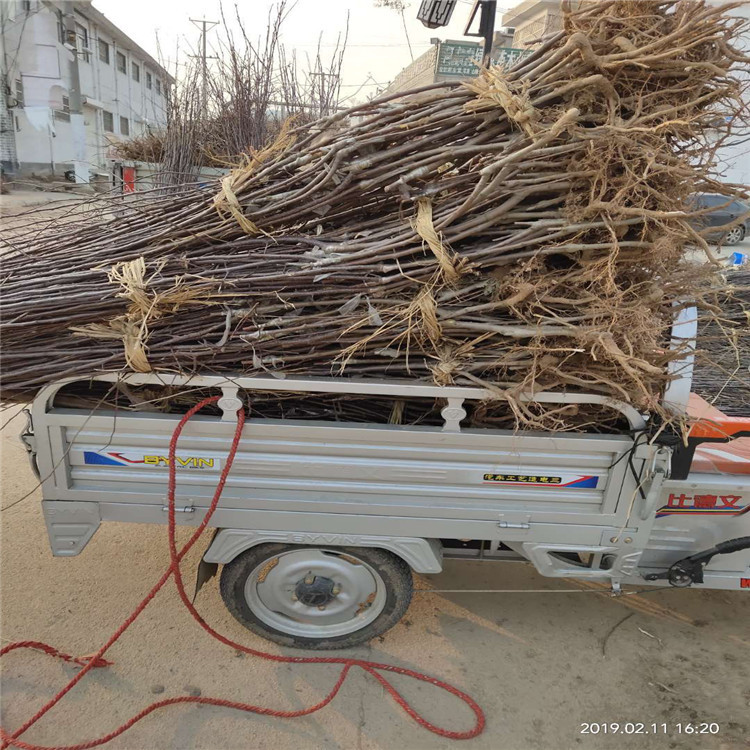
[(734, 235), (315, 593)]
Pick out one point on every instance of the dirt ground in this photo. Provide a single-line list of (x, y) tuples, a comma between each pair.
[(540, 664), (21, 206)]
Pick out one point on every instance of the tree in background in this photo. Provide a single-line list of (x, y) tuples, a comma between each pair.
[(253, 87), (400, 7)]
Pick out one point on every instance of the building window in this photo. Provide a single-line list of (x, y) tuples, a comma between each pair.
[(136, 71), (19, 93), (108, 121), (124, 126), (104, 51), (60, 27), (82, 42), (148, 80), (64, 113), (122, 63), (26, 5), (158, 85)]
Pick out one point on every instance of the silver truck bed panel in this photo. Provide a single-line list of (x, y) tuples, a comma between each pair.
[(346, 468)]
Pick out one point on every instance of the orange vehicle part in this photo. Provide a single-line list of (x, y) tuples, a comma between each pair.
[(723, 442), (726, 428)]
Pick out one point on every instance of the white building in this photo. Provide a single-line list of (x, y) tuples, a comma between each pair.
[(123, 90)]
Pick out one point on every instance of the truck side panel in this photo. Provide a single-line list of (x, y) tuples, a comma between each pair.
[(340, 468)]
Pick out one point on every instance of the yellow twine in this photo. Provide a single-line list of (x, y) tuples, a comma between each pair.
[(145, 305), (426, 230), (226, 199)]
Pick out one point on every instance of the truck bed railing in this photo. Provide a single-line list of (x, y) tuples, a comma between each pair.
[(453, 413)]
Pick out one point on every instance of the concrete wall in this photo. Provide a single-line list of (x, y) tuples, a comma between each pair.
[(42, 130)]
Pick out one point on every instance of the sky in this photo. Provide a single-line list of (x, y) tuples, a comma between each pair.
[(377, 47)]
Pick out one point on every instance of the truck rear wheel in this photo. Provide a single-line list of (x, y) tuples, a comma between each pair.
[(316, 597)]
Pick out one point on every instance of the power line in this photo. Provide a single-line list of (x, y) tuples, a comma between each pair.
[(385, 44), (369, 81), (366, 83)]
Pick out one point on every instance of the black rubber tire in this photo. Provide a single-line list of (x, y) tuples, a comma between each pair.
[(396, 575)]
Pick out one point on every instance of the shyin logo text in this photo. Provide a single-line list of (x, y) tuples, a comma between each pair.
[(121, 458)]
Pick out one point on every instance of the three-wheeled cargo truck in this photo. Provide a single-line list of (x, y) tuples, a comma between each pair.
[(321, 523)]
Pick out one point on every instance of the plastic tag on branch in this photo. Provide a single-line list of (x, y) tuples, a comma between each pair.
[(351, 305)]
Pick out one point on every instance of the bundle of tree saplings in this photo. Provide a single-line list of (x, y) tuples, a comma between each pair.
[(722, 364), (521, 231)]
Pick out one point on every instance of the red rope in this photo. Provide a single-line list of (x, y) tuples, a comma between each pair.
[(176, 556)]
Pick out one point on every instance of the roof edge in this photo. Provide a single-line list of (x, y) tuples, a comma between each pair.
[(95, 15)]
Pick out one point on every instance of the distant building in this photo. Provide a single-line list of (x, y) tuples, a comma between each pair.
[(123, 89), (420, 72), (533, 19), (452, 60)]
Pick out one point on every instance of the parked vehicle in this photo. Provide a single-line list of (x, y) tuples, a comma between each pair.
[(723, 211), (321, 523)]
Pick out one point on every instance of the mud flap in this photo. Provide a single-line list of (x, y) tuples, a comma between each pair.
[(206, 570)]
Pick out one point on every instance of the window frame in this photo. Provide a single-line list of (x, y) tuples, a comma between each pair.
[(60, 26), (157, 86), (126, 130), (104, 55), (135, 71), (120, 56), (82, 34), (111, 115), (63, 115), (149, 80), (20, 94)]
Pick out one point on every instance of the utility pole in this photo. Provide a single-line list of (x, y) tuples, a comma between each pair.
[(75, 99), (205, 26)]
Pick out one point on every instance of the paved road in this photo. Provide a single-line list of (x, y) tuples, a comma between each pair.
[(540, 664)]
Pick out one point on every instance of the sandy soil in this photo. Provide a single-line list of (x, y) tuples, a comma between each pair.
[(540, 664)]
